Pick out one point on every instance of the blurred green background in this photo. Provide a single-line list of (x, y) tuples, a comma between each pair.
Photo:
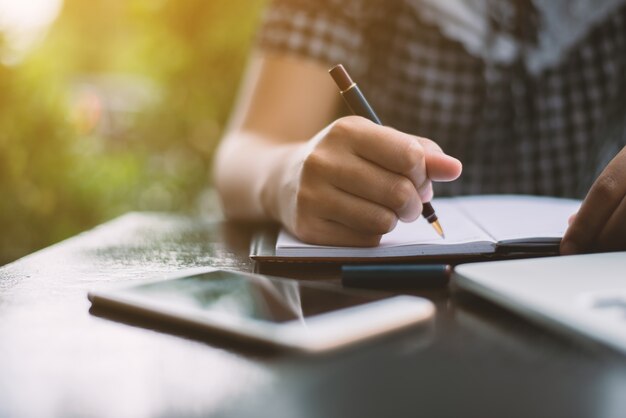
[(113, 106)]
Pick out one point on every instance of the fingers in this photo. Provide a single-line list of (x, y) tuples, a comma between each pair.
[(570, 220), (601, 210), (340, 218), (613, 235), (375, 184), (440, 166), (351, 211), (386, 147), (396, 151), (425, 192), (325, 232), (360, 178)]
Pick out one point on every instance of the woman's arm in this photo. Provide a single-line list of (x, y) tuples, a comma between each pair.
[(345, 185), (284, 101)]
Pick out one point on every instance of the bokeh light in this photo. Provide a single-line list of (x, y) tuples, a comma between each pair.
[(109, 106)]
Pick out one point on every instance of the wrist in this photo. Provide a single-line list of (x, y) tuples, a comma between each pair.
[(278, 187)]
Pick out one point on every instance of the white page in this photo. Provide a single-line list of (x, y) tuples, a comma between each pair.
[(520, 218), (407, 239)]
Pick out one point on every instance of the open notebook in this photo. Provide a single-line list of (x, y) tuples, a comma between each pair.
[(473, 225)]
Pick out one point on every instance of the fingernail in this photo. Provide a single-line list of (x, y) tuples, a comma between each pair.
[(449, 157), (454, 160), (569, 248)]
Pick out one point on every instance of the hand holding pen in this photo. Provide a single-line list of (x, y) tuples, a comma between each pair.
[(355, 179), (359, 105)]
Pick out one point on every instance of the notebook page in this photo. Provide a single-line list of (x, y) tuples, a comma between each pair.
[(519, 218), (407, 239)]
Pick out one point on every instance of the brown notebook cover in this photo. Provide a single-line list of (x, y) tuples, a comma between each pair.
[(263, 250)]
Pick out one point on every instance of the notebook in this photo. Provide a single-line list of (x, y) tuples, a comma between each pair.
[(474, 225)]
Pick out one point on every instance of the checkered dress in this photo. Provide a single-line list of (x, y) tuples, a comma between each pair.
[(515, 132)]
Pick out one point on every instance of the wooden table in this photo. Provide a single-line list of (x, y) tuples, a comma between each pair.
[(57, 359)]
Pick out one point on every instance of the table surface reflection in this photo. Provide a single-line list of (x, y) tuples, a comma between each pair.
[(57, 359)]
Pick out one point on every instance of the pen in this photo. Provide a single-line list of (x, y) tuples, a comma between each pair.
[(357, 103), (395, 276)]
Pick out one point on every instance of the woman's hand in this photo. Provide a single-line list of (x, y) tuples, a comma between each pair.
[(600, 224), (353, 181)]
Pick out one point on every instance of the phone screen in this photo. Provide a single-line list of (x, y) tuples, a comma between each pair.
[(258, 297)]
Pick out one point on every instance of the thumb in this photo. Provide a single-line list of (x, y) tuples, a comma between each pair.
[(440, 166)]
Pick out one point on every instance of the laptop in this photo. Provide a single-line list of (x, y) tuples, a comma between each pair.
[(584, 294)]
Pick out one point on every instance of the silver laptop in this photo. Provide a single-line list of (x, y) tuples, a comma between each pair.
[(583, 293)]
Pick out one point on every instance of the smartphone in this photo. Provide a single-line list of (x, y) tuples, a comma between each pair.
[(302, 316)]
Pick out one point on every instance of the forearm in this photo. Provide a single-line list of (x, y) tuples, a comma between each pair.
[(249, 173)]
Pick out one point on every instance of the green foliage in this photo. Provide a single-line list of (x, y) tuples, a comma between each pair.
[(70, 158)]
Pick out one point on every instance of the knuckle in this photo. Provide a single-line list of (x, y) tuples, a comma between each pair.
[(410, 156), (343, 126), (313, 164), (607, 187), (430, 144), (400, 193), (348, 129), (383, 221)]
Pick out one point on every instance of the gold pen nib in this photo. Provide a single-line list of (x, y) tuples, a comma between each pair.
[(438, 228)]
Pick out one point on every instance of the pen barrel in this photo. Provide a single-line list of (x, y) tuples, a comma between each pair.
[(358, 104)]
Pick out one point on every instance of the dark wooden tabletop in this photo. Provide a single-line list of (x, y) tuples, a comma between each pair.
[(57, 359)]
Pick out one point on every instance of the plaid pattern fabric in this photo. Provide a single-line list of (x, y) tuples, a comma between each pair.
[(550, 133)]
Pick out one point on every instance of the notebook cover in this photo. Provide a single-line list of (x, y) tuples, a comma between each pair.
[(263, 250)]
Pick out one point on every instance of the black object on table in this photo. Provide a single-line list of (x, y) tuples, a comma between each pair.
[(395, 276)]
